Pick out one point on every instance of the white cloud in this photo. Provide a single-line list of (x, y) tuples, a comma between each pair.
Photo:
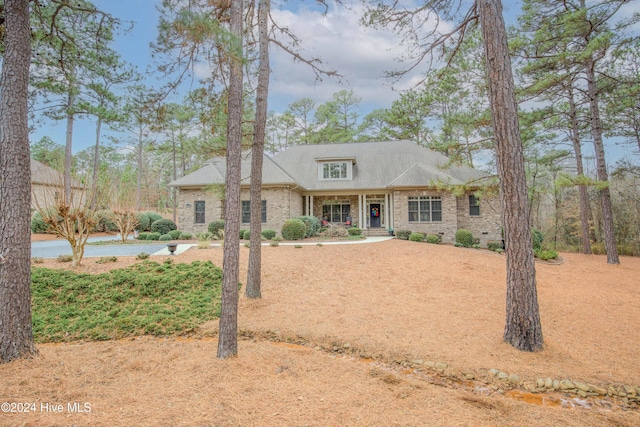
[(361, 55)]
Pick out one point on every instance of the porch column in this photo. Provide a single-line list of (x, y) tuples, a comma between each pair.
[(363, 210), (310, 205), (386, 211), (392, 218)]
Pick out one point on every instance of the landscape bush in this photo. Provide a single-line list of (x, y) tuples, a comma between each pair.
[(494, 245), (144, 222), (215, 227), (38, 226), (416, 237), (165, 237), (293, 229), (154, 235), (185, 236), (403, 234), (433, 239), (175, 234), (335, 232), (104, 223), (163, 226), (246, 235), (268, 234), (464, 238), (311, 223), (545, 255), (153, 216), (354, 231), (143, 235)]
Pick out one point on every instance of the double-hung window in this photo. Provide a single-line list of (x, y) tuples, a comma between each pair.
[(474, 206), (246, 211), (425, 209), (199, 212)]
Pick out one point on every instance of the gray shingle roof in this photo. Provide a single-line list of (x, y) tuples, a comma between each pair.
[(376, 165)]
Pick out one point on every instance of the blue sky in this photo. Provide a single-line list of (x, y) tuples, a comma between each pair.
[(360, 54)]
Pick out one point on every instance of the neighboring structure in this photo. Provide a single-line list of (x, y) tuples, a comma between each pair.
[(47, 186), (373, 185)]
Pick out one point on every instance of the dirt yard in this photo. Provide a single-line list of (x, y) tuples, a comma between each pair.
[(393, 333)]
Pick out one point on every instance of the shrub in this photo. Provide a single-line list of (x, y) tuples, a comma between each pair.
[(433, 238), (153, 217), (163, 226), (354, 231), (38, 226), (37, 260), (142, 255), (105, 222), (312, 225), (185, 236), (106, 259), (416, 237), (165, 237), (546, 255), (215, 227), (403, 234), (143, 236), (274, 243), (335, 232), (536, 239), (153, 236), (144, 222), (65, 258), (464, 238), (242, 230), (293, 229), (175, 234), (205, 236), (268, 234), (246, 235), (494, 245)]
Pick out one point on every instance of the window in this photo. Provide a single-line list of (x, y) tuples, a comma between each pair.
[(246, 211), (474, 206), (199, 210), (334, 170), (336, 210), (425, 209)]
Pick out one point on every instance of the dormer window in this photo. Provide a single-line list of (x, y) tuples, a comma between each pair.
[(335, 170)]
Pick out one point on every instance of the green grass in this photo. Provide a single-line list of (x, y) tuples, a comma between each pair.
[(144, 299)]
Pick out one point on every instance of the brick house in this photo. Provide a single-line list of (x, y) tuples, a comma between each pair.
[(373, 185)]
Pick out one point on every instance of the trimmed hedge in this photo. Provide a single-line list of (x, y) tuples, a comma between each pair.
[(246, 235), (163, 226), (354, 231), (143, 236), (268, 234), (175, 234), (144, 222), (38, 226), (403, 234), (416, 237), (153, 216), (154, 235), (312, 225), (433, 239), (464, 238), (293, 229), (185, 236), (165, 237)]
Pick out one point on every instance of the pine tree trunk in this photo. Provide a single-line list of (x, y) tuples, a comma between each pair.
[(16, 333), (582, 189), (228, 336), (252, 289), (522, 329), (601, 166)]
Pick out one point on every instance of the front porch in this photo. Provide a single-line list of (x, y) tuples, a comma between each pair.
[(370, 212)]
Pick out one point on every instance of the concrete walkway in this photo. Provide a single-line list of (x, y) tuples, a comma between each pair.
[(55, 248)]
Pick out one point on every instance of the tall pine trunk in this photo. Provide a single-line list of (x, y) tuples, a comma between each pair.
[(228, 335), (16, 333), (601, 166), (582, 189), (522, 329), (252, 289)]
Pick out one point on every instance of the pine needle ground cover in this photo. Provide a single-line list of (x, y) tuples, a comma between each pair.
[(143, 299)]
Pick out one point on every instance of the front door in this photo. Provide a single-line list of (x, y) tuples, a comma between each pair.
[(374, 215)]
